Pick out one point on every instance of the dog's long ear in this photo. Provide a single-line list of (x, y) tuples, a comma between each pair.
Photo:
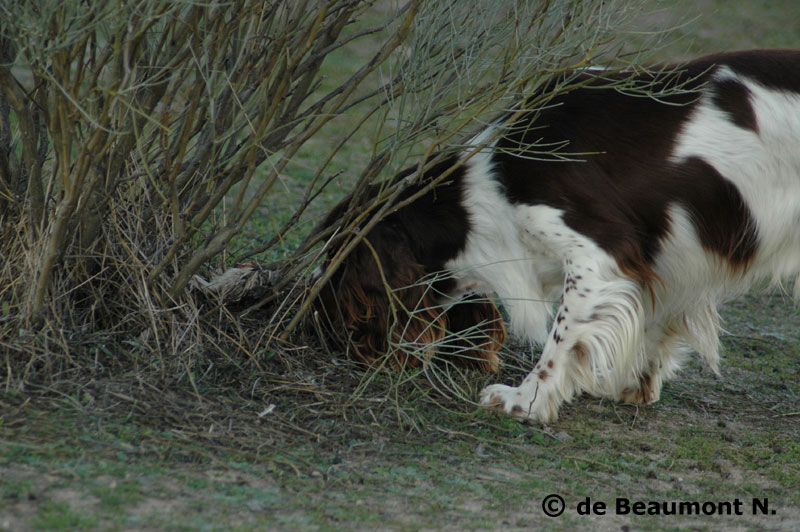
[(476, 334), (378, 302)]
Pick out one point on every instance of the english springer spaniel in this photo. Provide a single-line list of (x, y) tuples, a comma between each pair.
[(612, 253)]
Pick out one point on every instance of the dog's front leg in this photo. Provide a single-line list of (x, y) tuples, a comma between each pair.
[(595, 341)]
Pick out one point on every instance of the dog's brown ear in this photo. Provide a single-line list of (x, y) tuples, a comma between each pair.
[(477, 334), (379, 303)]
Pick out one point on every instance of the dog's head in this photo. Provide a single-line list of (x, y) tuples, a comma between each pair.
[(390, 296)]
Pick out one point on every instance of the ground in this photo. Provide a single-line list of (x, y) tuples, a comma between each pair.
[(316, 443), (325, 458)]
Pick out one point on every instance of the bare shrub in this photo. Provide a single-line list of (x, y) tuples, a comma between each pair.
[(138, 139)]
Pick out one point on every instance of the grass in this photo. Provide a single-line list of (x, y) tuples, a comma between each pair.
[(99, 454), (360, 469)]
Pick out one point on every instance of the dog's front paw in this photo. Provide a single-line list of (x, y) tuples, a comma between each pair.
[(505, 399), (513, 401)]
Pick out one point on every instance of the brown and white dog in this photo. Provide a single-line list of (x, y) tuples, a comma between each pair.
[(612, 254)]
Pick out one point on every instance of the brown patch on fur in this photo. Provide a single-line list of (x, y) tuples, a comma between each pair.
[(581, 354), (550, 364), (641, 395), (495, 403), (768, 67), (723, 220), (479, 334), (543, 375), (733, 97)]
